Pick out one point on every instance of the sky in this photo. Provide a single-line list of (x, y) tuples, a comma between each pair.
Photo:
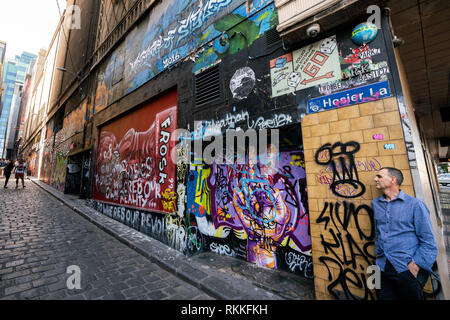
[(28, 25)]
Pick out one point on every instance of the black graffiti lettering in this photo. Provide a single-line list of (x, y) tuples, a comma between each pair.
[(343, 279), (343, 249), (321, 218), (359, 253), (349, 211), (340, 158), (369, 211), (336, 244)]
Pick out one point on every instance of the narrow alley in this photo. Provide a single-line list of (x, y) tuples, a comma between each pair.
[(40, 238)]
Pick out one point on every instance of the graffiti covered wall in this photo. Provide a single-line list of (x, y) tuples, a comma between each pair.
[(253, 211), (57, 146), (340, 93), (250, 211), (133, 166), (179, 31), (31, 155), (47, 152), (344, 149)]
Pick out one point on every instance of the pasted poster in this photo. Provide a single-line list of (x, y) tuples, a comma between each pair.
[(282, 75), (133, 163), (306, 67)]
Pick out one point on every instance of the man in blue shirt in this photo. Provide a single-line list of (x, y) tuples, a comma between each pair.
[(405, 246)]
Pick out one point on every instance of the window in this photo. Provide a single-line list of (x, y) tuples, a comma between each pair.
[(59, 119)]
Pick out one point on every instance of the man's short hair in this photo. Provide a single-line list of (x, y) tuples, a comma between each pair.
[(394, 172)]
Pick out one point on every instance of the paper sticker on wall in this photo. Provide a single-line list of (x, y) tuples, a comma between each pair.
[(317, 63), (242, 83), (281, 69), (310, 66), (389, 146), (377, 136)]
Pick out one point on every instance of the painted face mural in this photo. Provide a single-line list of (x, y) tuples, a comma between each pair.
[(257, 204), (136, 170)]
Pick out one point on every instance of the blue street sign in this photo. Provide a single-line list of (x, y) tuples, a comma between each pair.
[(371, 92)]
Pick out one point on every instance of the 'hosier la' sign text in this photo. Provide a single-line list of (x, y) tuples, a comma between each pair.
[(368, 93)]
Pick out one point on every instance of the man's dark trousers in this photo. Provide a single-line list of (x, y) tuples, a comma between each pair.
[(401, 286)]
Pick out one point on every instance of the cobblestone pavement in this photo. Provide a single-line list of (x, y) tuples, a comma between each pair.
[(40, 237)]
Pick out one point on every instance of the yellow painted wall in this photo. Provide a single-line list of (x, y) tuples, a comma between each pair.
[(335, 268)]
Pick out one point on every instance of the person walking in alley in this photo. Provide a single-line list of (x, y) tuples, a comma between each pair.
[(20, 172), (2, 165), (7, 171), (405, 246)]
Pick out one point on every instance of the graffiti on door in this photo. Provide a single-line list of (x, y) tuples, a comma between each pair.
[(259, 213)]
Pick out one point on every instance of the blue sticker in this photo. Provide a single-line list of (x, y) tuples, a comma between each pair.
[(281, 62)]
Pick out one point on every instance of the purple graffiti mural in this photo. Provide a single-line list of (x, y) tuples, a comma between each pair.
[(265, 206)]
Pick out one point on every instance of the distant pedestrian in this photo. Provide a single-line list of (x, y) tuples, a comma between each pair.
[(20, 172), (405, 246), (7, 171), (3, 163)]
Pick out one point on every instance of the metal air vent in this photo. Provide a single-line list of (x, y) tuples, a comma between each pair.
[(272, 37), (208, 86)]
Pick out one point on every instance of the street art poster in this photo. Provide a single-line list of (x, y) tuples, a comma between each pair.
[(359, 65), (134, 167), (306, 67), (280, 69)]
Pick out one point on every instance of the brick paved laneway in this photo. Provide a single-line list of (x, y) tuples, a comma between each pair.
[(40, 237)]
